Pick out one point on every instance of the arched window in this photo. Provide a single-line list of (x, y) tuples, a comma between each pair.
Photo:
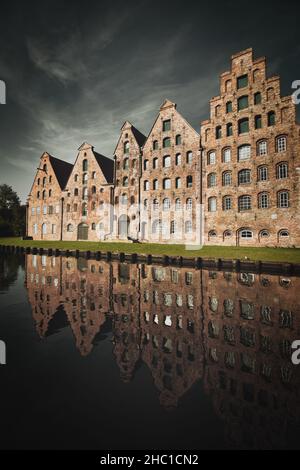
[(189, 158), (258, 121), (124, 199), (85, 165), (85, 178), (257, 98), (262, 148), (44, 195), (228, 86), (282, 170), (227, 203), (155, 163), (167, 161), (167, 143), (70, 228), (44, 182), (264, 234), (93, 226), (245, 203), (125, 182), (44, 229), (76, 178), (283, 199), (263, 201), (94, 190), (155, 185), (146, 165), (281, 144), (284, 233), (211, 158), (229, 129), (173, 227), (155, 205), (178, 183), (76, 192), (189, 182), (188, 227), (85, 193), (155, 145), (229, 107), (271, 118), (178, 205), (227, 234), (212, 204), (212, 234), (243, 102), (126, 147), (189, 204), (244, 153), (38, 181), (167, 183), (126, 164), (38, 195), (84, 210), (243, 126), (157, 227), (244, 177), (166, 205), (218, 111), (178, 140), (146, 186), (212, 180), (262, 173), (227, 155), (246, 234), (227, 178), (218, 132), (178, 159)]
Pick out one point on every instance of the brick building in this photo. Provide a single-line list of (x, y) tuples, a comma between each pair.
[(239, 184)]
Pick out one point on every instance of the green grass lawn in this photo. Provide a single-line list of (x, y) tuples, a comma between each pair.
[(288, 255)]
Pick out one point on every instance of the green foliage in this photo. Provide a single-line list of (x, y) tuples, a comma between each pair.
[(12, 214)]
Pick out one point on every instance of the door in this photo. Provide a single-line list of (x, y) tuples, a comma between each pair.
[(83, 232)]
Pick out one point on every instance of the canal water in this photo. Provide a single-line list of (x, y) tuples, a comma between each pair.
[(121, 356)]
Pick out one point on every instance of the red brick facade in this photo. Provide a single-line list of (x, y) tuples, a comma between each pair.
[(239, 184)]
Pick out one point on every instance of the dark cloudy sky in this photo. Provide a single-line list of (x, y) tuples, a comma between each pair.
[(76, 70)]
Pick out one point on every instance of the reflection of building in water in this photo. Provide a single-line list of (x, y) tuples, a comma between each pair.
[(126, 327), (250, 322), (171, 329), (234, 331)]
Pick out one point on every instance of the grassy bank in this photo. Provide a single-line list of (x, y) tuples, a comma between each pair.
[(288, 255)]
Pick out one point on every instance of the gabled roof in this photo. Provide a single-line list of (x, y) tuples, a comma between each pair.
[(106, 165), (61, 169), (140, 138)]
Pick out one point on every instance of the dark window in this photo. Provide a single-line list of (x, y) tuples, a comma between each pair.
[(218, 132), (243, 126), (178, 140), (257, 98), (271, 119), (229, 130), (167, 125), (258, 122), (229, 107), (243, 102), (242, 82), (167, 143)]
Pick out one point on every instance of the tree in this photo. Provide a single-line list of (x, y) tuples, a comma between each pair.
[(12, 214)]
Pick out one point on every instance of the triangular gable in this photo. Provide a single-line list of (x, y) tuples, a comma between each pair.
[(139, 137)]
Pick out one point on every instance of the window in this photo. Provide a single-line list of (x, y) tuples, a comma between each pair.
[(155, 163), (258, 122), (173, 228), (244, 177), (246, 234), (212, 204), (167, 143), (76, 192), (178, 140), (264, 234), (243, 126), (271, 119), (189, 182), (189, 204), (243, 103), (218, 132), (227, 178), (244, 153), (212, 180), (178, 205), (227, 203), (229, 107), (94, 190), (188, 227), (126, 164), (227, 155), (242, 82), (245, 203), (146, 165), (281, 144), (211, 158), (284, 234), (146, 204), (84, 210), (227, 234), (167, 162), (85, 178), (167, 125), (178, 159), (178, 183), (44, 182), (189, 158), (257, 98), (166, 205), (125, 182), (33, 210), (262, 148), (146, 186), (68, 208), (167, 183), (263, 201), (283, 199), (124, 200), (93, 226), (282, 171), (218, 111), (155, 205), (85, 165), (212, 234), (155, 185), (262, 173), (70, 228), (229, 129), (155, 145), (45, 209), (126, 148)]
